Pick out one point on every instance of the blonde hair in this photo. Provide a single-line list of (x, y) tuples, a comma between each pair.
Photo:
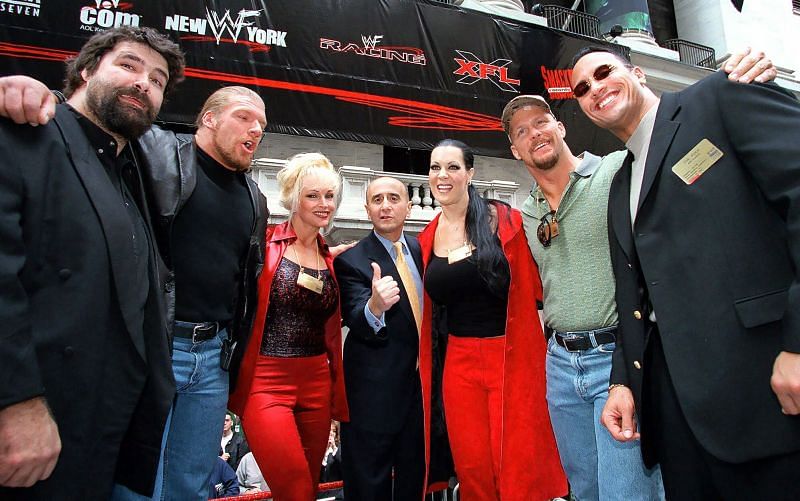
[(290, 178), (221, 98)]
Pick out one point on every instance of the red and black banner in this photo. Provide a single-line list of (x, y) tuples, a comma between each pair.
[(395, 72)]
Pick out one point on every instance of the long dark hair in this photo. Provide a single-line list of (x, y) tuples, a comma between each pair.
[(488, 255)]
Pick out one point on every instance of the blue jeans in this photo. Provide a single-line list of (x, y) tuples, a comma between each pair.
[(597, 466), (191, 441)]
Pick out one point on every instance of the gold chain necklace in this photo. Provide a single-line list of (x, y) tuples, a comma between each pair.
[(314, 284)]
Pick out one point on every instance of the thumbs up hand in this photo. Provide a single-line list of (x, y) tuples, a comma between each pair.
[(385, 292)]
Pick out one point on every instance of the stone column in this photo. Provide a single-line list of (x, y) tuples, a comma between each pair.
[(632, 15)]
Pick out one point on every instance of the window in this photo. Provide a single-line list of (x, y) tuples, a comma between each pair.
[(407, 160)]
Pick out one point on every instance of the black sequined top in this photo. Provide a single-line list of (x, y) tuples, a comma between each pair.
[(295, 324)]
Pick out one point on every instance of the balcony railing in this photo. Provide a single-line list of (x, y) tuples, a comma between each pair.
[(693, 53), (351, 220), (569, 20)]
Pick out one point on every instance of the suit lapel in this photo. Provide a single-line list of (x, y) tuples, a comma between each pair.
[(110, 212), (663, 133), (377, 252), (619, 207)]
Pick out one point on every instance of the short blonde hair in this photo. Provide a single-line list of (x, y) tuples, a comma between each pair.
[(223, 97), (290, 178)]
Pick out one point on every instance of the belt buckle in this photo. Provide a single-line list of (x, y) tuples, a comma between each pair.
[(569, 339), (202, 329)]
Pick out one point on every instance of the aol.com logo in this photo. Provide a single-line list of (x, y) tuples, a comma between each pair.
[(105, 14)]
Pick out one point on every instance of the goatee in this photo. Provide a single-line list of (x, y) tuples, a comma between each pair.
[(233, 163), (120, 117), (228, 156), (548, 163)]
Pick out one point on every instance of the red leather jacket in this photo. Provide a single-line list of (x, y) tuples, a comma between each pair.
[(278, 239), (530, 468)]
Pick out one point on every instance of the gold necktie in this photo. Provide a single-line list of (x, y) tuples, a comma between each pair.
[(408, 283)]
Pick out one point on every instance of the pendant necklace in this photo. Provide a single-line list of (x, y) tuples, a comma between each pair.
[(460, 253), (314, 284)]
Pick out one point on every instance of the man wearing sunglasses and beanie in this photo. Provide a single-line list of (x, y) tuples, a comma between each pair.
[(565, 221), (704, 234)]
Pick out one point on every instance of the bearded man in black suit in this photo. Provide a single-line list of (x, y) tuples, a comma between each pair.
[(85, 376)]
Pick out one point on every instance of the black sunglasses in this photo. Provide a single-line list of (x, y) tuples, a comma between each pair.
[(600, 73), (547, 229)]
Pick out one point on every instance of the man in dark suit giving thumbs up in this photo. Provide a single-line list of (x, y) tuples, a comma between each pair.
[(381, 291)]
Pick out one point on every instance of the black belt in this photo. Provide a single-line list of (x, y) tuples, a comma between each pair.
[(585, 340), (197, 332)]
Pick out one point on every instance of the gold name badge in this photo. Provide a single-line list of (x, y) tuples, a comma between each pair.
[(695, 163), (311, 283), (459, 254)]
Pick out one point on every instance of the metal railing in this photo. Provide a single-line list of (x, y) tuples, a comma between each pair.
[(569, 20), (439, 489), (693, 53)]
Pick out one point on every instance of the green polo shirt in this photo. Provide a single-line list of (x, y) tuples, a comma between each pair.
[(576, 267)]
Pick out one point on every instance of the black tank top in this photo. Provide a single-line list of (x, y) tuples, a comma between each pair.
[(472, 309)]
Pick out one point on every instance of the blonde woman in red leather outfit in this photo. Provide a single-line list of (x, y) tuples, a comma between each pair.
[(291, 383)]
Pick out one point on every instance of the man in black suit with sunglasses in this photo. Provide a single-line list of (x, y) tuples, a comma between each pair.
[(704, 233)]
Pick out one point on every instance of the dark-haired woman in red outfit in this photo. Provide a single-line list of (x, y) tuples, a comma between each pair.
[(479, 268)]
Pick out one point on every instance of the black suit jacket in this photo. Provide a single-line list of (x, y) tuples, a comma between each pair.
[(332, 471), (719, 260), (68, 331), (237, 447), (380, 369)]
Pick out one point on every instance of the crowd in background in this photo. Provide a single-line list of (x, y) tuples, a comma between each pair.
[(237, 472)]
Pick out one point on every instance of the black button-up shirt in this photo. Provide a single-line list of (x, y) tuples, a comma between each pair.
[(124, 175)]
